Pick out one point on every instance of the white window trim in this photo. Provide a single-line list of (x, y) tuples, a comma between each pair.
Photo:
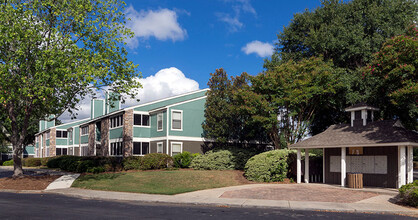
[(162, 121), (110, 122), (61, 131), (181, 147), (162, 147), (149, 148), (181, 120), (81, 131), (142, 126)]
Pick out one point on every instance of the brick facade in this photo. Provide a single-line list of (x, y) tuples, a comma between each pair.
[(128, 121), (92, 139), (52, 142), (105, 137)]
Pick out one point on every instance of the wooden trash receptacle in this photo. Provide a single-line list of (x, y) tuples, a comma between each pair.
[(355, 180)]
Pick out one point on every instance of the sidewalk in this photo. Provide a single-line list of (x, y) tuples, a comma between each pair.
[(375, 204)]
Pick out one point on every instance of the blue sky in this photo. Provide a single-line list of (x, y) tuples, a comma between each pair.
[(178, 43)]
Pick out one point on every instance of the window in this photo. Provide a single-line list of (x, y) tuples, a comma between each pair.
[(61, 151), (116, 148), (176, 148), (176, 117), (70, 151), (116, 121), (61, 134), (85, 130), (159, 121), (70, 134), (142, 120), (141, 148), (84, 151), (160, 147)]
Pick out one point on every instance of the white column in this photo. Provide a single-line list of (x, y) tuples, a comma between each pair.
[(343, 166), (298, 167), (323, 165), (306, 166), (410, 165), (401, 166)]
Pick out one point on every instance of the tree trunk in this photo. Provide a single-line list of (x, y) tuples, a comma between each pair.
[(17, 160)]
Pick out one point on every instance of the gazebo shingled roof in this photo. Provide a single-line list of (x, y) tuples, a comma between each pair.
[(378, 133)]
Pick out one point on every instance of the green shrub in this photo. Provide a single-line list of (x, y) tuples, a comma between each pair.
[(156, 161), (44, 161), (8, 163), (132, 163), (184, 159), (96, 170), (31, 162), (223, 159), (269, 166), (409, 193)]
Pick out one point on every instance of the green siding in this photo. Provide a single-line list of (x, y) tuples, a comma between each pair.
[(116, 133), (61, 141), (154, 132), (29, 150), (50, 123), (142, 132), (193, 117), (98, 108), (47, 142), (171, 101), (42, 125), (76, 134), (84, 139), (69, 125)]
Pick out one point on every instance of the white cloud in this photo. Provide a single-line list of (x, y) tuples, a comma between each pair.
[(259, 48), (233, 19), (165, 83), (161, 24)]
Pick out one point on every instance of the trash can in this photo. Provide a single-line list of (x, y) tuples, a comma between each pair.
[(355, 180)]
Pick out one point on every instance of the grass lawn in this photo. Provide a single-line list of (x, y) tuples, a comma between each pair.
[(161, 181)]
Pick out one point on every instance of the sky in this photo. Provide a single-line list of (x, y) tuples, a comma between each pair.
[(178, 43)]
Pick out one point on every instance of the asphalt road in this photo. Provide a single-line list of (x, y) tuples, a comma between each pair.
[(51, 206)]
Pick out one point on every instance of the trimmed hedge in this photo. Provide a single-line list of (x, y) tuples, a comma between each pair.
[(223, 159), (148, 162), (85, 164), (156, 161), (409, 193), (31, 162), (184, 159), (271, 166), (132, 163), (8, 163)]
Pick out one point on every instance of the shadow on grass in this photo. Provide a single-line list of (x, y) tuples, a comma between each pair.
[(103, 176)]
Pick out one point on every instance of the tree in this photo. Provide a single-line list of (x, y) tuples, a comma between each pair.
[(285, 99), (54, 53), (392, 78), (348, 33), (225, 122)]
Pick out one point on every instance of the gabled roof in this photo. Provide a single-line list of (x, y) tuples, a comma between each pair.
[(379, 133)]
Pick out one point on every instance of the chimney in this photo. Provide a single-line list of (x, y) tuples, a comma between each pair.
[(111, 104), (97, 108), (361, 114)]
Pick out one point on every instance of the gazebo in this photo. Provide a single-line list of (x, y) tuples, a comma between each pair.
[(381, 150)]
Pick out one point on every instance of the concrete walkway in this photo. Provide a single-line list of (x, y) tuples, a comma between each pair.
[(376, 204)]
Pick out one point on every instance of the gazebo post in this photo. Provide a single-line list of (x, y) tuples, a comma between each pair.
[(306, 166), (410, 166), (343, 166), (401, 166), (298, 167)]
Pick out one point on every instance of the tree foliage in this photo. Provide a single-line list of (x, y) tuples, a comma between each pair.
[(284, 100), (225, 122), (393, 78), (347, 33), (54, 53)]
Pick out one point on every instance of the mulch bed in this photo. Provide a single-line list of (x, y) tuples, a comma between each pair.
[(27, 182)]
